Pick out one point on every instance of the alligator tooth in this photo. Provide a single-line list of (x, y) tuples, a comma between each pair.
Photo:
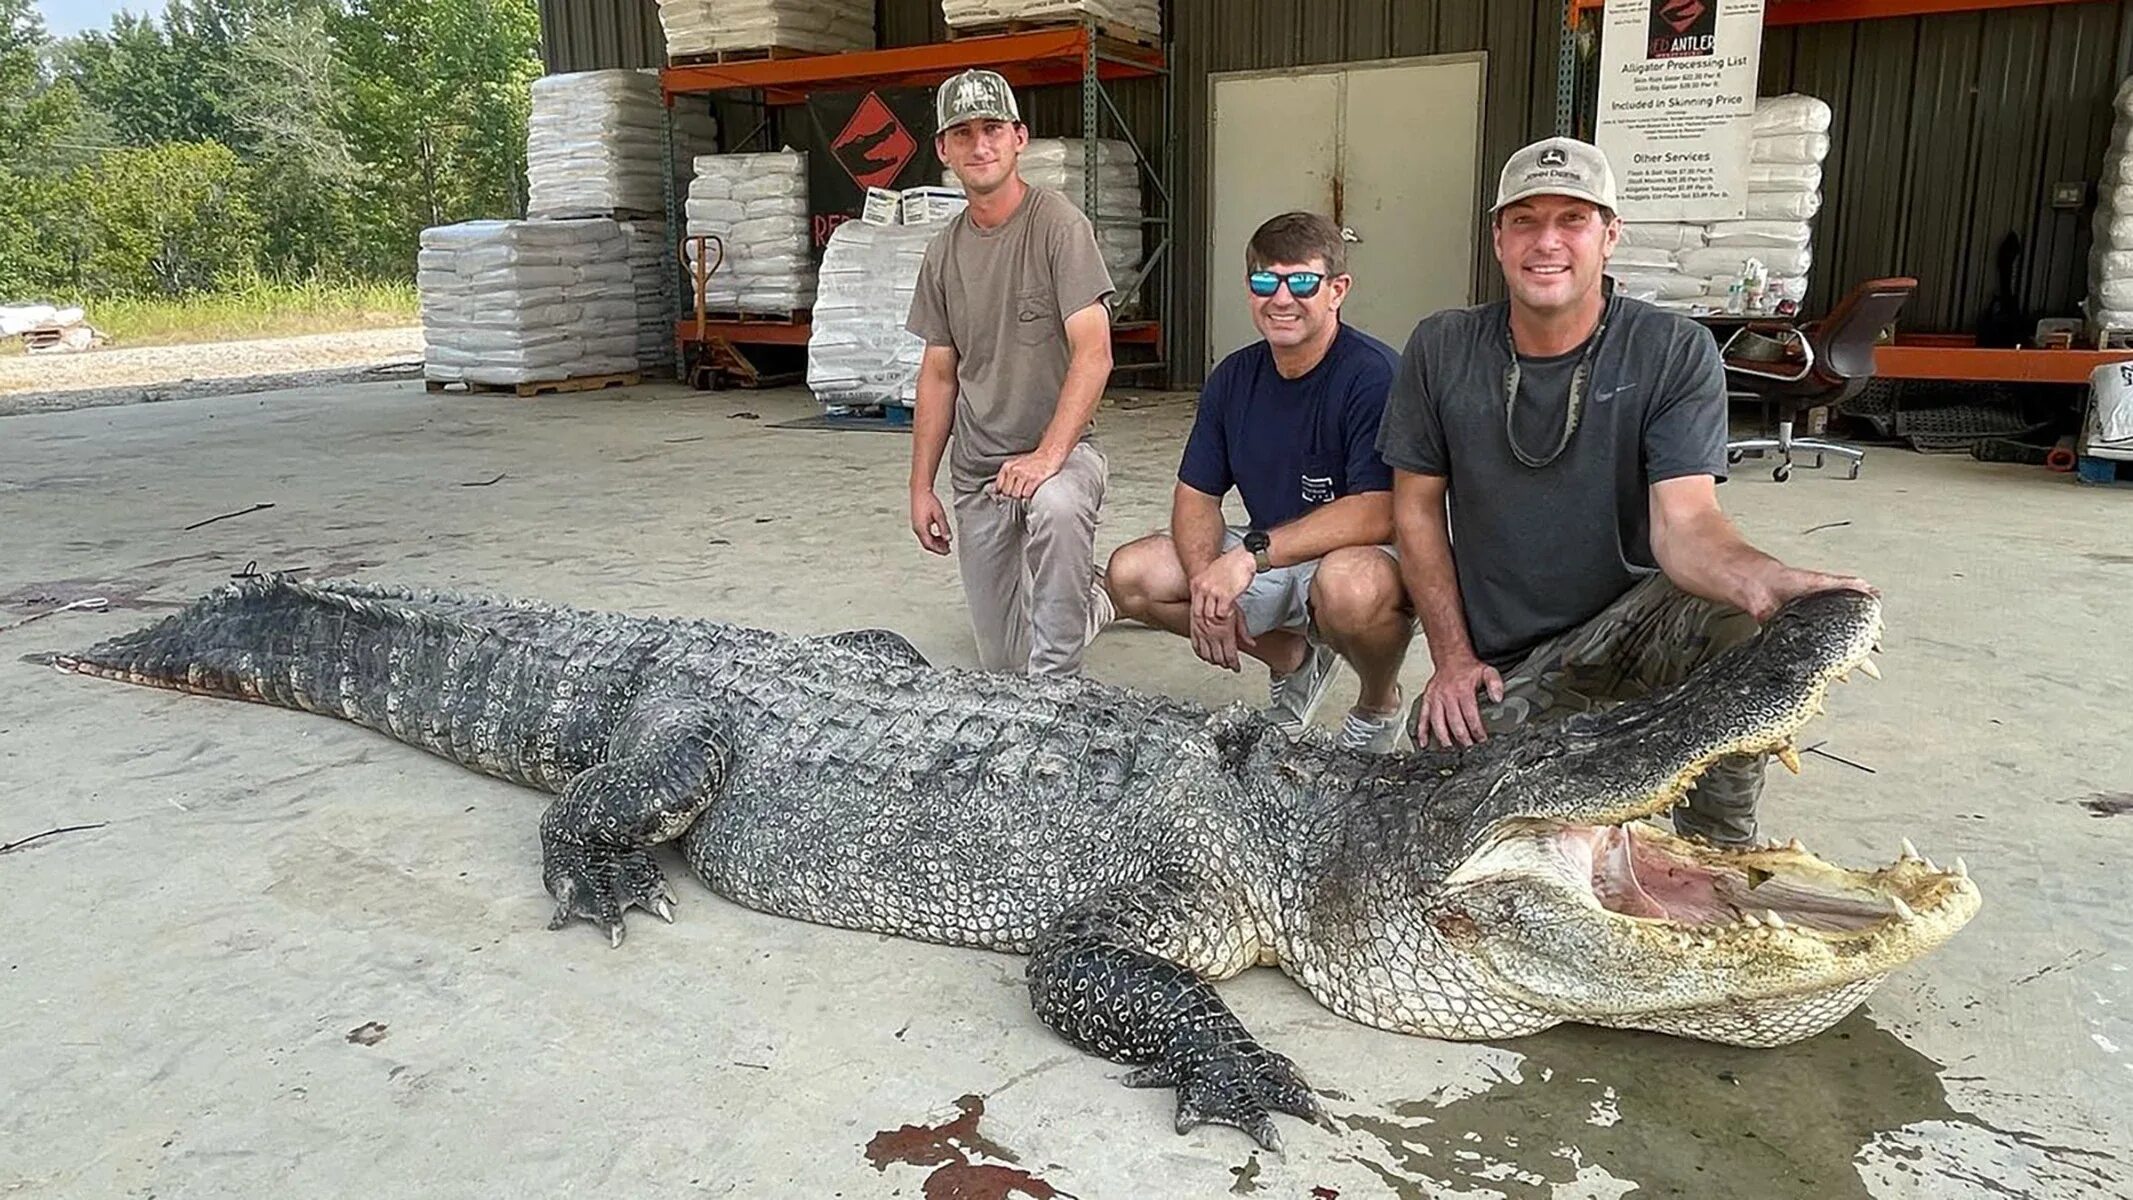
[(1794, 845), (1776, 921), (1909, 851), (1962, 868), (1749, 920), (1868, 669), (1902, 910), (1790, 757)]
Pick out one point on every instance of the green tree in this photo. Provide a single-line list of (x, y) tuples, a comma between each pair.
[(284, 98), (437, 101), (33, 110), (165, 219), (38, 117)]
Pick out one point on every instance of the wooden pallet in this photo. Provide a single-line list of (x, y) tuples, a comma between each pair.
[(749, 54), (539, 387), (2109, 471), (609, 214), (730, 316), (1104, 29)]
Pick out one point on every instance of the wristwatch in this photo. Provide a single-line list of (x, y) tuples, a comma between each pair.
[(1257, 542)]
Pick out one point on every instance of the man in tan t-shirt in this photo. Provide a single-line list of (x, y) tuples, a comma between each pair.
[(1011, 304)]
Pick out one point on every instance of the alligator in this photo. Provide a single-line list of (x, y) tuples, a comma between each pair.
[(1137, 848)]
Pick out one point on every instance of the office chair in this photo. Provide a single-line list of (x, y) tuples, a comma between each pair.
[(1796, 368)]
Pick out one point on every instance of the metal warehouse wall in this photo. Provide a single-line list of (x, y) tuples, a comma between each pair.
[(1241, 35), (1210, 35), (1950, 131)]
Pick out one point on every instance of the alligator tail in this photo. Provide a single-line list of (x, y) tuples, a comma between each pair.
[(404, 663)]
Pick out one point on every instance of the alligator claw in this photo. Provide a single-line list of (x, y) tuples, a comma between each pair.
[(1242, 1087), (601, 885)]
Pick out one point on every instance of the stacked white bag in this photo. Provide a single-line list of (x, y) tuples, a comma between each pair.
[(2111, 245), (1693, 264), (1143, 15), (593, 141), (858, 352), (757, 205), (821, 26), (1058, 164), (507, 302), (647, 241)]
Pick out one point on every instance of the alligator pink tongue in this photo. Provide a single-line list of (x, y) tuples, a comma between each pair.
[(1614, 877)]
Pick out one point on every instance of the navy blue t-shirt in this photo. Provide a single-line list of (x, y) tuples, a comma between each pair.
[(1289, 445)]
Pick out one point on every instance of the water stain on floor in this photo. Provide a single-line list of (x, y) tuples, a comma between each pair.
[(948, 1149), (1678, 1119)]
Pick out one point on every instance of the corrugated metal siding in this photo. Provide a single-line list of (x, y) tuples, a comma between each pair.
[(599, 35), (1242, 35), (1950, 131)]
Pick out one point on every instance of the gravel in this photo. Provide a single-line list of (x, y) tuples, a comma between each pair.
[(47, 382)]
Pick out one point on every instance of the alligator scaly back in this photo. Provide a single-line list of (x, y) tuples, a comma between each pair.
[(522, 691)]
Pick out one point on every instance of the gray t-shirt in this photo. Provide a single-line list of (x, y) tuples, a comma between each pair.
[(1540, 550), (1001, 298)]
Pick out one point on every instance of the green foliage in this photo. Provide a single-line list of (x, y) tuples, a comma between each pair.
[(252, 308), (223, 140), (165, 220)]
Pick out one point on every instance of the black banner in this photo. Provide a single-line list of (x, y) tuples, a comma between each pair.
[(857, 140)]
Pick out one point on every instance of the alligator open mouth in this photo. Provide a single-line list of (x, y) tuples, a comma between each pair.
[(1642, 873), (1591, 912)]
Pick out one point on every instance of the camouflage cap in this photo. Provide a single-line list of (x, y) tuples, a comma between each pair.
[(974, 95)]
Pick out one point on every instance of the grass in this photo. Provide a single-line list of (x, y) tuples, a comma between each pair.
[(256, 310)]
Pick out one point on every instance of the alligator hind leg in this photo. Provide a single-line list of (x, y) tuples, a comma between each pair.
[(664, 765), (1125, 975)]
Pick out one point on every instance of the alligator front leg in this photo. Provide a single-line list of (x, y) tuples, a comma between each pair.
[(665, 763), (1126, 975)]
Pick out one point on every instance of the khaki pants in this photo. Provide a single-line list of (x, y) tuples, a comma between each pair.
[(1649, 639), (1027, 566)]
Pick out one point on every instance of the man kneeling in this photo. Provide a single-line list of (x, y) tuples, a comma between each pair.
[(1291, 422)]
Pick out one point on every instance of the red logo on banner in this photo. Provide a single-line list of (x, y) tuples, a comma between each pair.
[(1682, 14), (874, 146)]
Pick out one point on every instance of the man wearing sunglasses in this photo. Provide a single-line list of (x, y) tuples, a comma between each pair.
[(1290, 422), (1011, 303), (1556, 456)]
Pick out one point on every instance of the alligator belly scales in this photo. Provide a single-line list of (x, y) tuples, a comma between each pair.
[(1136, 849)]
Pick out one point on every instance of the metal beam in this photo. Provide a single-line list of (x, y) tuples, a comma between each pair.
[(1815, 12)]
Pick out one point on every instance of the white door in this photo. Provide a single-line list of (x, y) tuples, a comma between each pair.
[(1389, 149)]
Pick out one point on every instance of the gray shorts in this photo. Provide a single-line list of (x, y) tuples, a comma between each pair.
[(1279, 598)]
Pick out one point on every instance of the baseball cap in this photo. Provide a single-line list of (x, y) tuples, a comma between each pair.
[(974, 95), (1557, 166)]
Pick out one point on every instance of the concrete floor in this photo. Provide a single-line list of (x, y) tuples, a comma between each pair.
[(184, 985)]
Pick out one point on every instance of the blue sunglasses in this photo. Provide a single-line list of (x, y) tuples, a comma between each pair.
[(1302, 284)]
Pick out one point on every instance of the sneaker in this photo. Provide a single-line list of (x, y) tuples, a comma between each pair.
[(1103, 611), (1370, 731), (1292, 698)]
